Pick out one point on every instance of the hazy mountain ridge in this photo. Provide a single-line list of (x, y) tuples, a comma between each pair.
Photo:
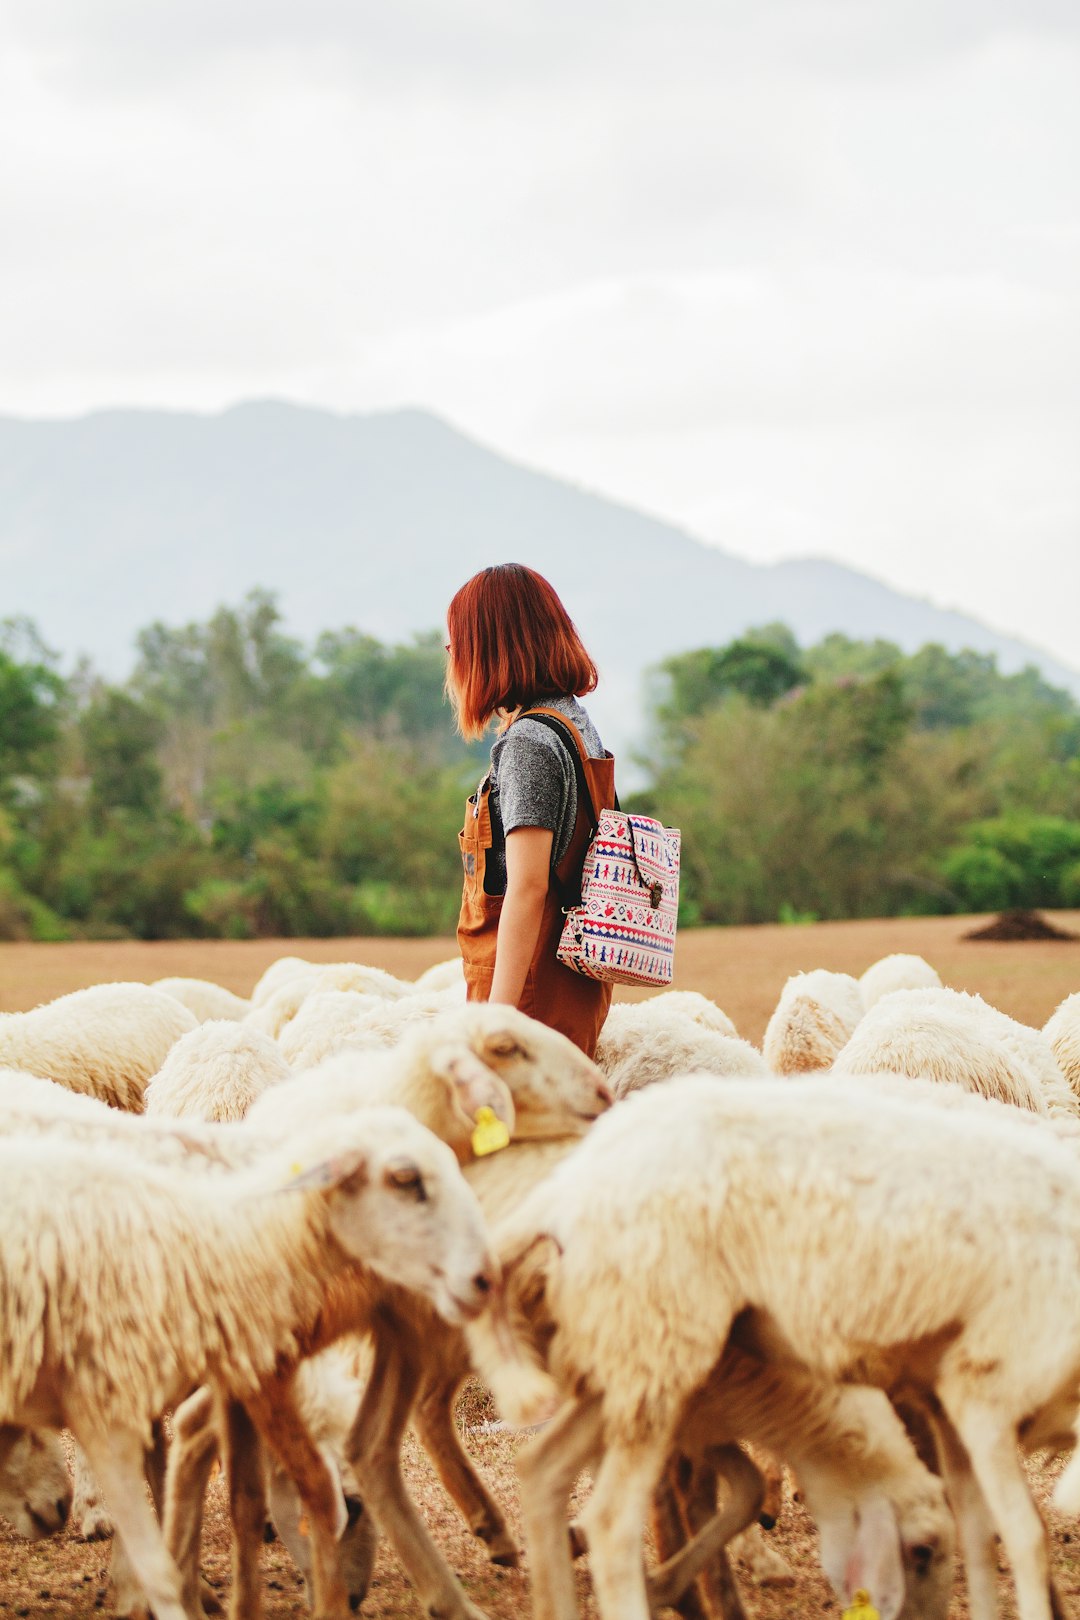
[(112, 520)]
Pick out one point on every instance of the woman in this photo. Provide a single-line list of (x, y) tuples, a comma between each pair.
[(513, 651)]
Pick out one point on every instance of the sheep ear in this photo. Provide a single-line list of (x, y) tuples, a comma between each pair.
[(875, 1562), (476, 1085), (329, 1173)]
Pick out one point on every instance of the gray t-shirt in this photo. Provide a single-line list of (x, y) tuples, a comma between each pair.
[(534, 784)]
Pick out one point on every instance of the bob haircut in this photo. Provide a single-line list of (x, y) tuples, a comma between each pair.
[(512, 643)]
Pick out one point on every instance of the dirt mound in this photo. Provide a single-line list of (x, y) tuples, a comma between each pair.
[(1017, 925)]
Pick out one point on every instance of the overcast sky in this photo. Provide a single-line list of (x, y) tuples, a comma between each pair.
[(801, 274)]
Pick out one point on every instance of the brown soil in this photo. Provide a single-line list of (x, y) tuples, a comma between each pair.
[(1020, 925), (744, 969)]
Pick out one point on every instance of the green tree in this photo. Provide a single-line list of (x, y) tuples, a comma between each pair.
[(120, 737)]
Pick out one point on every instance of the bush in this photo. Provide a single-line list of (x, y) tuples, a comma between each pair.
[(1019, 860), (23, 916)]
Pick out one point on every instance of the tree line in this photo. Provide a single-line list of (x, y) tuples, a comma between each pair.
[(240, 783)]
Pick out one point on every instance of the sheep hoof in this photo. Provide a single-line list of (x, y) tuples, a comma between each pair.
[(93, 1524), (211, 1603)]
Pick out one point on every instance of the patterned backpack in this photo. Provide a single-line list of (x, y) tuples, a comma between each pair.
[(620, 919)]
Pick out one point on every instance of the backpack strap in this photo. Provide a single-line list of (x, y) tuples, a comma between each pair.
[(570, 893), (566, 729)]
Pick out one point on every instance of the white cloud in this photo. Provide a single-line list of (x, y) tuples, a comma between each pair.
[(801, 274)]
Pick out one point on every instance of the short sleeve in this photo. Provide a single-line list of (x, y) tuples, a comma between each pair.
[(535, 778)]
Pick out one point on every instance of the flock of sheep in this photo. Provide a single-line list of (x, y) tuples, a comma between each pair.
[(298, 1223)]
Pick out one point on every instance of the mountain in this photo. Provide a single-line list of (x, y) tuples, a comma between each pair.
[(115, 519)]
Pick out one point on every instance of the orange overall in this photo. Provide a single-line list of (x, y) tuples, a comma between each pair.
[(554, 994)]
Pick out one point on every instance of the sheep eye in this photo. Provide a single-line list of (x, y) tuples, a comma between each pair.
[(922, 1557), (505, 1046), (407, 1178)]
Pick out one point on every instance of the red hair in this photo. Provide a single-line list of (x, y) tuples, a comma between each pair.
[(512, 643)]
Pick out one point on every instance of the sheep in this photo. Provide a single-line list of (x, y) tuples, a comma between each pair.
[(556, 1092), (105, 1041), (446, 1086), (215, 1072), (278, 973), (32, 1106), (328, 1390), (814, 1018), (435, 1074), (880, 1513), (330, 1020), (897, 972), (204, 998), (35, 1492), (448, 975), (1062, 1030), (227, 1282), (691, 1003), (885, 1241), (949, 1036), (273, 1015), (642, 1045)]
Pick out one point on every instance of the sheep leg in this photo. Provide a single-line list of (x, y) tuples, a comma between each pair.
[(973, 1521), (433, 1421), (247, 1512), (191, 1460), (118, 1460), (615, 1520), (717, 1580), (274, 1412), (670, 1534), (772, 1471), (547, 1469), (991, 1446), (89, 1517), (746, 1490), (374, 1450), (128, 1595)]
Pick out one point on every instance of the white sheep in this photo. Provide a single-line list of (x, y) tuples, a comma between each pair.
[(278, 973), (642, 1044), (330, 1020), (1062, 1030), (814, 1019), (272, 1016), (556, 1092), (215, 1072), (956, 1038), (435, 1074), (691, 1003), (873, 1239), (105, 1041), (32, 1106), (123, 1287), (204, 998), (882, 1517), (897, 972), (328, 1388), (35, 1492), (445, 1087), (448, 975)]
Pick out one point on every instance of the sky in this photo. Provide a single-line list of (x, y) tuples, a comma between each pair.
[(801, 275)]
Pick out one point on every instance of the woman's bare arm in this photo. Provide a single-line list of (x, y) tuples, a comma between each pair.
[(528, 876)]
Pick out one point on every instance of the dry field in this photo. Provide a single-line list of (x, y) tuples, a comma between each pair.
[(743, 968)]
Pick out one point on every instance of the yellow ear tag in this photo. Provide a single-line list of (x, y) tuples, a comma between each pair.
[(490, 1133), (861, 1607)]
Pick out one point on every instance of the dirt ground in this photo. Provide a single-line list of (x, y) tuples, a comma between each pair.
[(743, 969)]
